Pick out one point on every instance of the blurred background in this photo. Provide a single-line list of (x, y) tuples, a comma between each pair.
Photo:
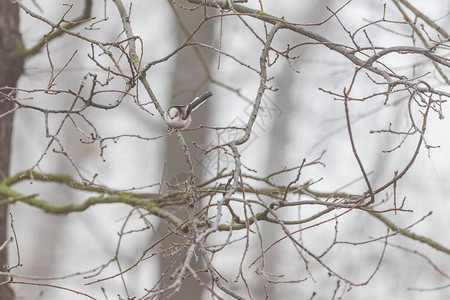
[(298, 121)]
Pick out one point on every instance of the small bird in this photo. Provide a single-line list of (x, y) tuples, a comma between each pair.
[(179, 116)]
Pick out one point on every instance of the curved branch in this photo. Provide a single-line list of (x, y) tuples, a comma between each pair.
[(299, 29), (409, 50)]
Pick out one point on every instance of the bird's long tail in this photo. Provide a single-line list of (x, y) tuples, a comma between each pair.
[(197, 102)]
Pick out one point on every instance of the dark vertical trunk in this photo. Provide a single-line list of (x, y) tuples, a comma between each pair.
[(11, 67), (187, 78)]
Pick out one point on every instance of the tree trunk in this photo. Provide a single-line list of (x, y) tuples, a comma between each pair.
[(187, 83), (11, 67)]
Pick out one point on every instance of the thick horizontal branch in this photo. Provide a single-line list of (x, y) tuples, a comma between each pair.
[(410, 234), (154, 203), (65, 179), (272, 191)]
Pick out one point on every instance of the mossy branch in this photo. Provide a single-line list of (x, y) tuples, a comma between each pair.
[(154, 203), (410, 234)]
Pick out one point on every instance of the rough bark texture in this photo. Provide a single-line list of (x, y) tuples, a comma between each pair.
[(11, 67)]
